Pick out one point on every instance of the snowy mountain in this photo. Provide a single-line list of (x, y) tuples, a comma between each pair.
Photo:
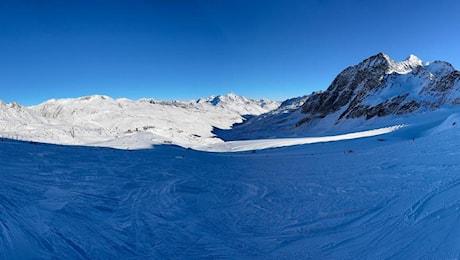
[(374, 92), (379, 86), (102, 121), (239, 104)]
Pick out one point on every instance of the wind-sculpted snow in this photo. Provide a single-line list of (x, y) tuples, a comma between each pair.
[(391, 196)]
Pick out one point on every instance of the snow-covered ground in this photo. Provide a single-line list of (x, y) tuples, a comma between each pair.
[(389, 196), (259, 144), (127, 124)]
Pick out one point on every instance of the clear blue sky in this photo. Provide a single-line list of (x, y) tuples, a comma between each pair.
[(190, 49)]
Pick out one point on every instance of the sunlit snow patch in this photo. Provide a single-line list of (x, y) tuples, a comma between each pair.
[(249, 145)]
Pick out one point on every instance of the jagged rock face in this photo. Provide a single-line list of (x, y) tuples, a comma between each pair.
[(379, 86)]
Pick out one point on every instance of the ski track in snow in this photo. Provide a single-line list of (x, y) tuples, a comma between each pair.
[(363, 198)]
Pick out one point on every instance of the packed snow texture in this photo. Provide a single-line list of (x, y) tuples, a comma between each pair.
[(389, 196)]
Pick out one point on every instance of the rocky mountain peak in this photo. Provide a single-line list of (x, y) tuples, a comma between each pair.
[(379, 86), (382, 63), (414, 59), (378, 61)]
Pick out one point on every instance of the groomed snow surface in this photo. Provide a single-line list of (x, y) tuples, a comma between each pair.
[(389, 196)]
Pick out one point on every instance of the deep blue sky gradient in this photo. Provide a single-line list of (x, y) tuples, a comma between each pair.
[(190, 49)]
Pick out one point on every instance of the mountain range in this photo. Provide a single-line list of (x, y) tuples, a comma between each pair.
[(374, 93), (122, 123)]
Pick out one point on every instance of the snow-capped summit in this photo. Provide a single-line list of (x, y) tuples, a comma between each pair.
[(240, 104), (379, 86), (222, 99), (381, 63), (414, 59)]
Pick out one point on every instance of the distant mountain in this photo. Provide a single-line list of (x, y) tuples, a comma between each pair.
[(241, 105), (375, 90), (102, 121)]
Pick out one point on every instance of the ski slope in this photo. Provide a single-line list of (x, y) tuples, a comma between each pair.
[(389, 196)]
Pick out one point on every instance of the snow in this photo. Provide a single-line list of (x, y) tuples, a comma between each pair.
[(251, 145), (126, 124), (402, 67), (440, 68), (405, 66), (397, 85), (414, 60), (394, 195)]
